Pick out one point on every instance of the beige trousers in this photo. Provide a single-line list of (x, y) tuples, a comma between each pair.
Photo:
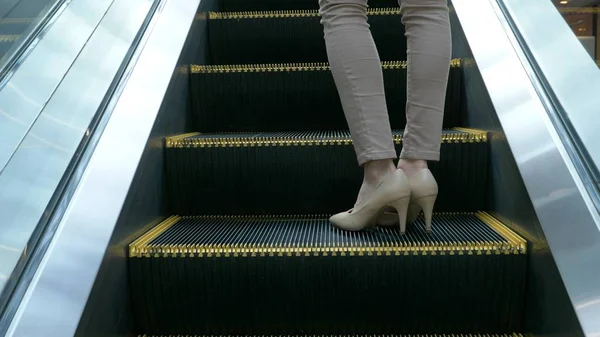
[(356, 69)]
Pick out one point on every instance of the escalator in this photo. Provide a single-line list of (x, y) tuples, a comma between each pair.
[(248, 249), (168, 168)]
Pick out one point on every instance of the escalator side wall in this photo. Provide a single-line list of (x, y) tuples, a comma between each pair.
[(548, 310), (109, 311)]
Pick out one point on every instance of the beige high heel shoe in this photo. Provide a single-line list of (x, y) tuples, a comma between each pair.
[(424, 190), (393, 191)]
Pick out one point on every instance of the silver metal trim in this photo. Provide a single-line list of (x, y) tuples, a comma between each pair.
[(29, 181), (568, 71), (564, 208), (17, 54), (28, 90), (58, 293)]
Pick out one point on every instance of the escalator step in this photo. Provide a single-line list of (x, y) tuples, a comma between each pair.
[(273, 5), (274, 97), (292, 36), (303, 172), (254, 275)]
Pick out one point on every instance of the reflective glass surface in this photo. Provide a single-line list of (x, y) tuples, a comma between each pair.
[(582, 17), (49, 107), (18, 18)]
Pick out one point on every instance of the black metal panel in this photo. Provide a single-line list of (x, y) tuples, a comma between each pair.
[(272, 98), (304, 178), (247, 38), (248, 276)]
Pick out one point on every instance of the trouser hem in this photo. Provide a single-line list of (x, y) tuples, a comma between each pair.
[(375, 155)]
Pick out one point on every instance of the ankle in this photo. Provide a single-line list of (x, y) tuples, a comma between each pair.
[(377, 170), (410, 166)]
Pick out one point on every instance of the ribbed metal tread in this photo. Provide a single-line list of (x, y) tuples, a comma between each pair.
[(304, 172), (303, 138), (228, 275), (225, 236), (271, 5), (296, 96), (292, 36)]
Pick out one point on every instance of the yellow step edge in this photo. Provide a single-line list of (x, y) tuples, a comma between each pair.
[(513, 245), (187, 141), (579, 10), (516, 241), (370, 11), (288, 14), (173, 140), (139, 247), (287, 67)]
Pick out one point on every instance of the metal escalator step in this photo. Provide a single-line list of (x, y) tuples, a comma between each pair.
[(274, 97), (292, 36), (254, 275), (303, 172), (273, 5)]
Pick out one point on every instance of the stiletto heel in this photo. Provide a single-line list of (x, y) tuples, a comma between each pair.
[(426, 204), (391, 190), (401, 206), (423, 192)]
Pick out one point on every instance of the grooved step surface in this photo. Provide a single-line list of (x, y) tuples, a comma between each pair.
[(297, 274), (304, 172), (292, 36), (270, 5), (247, 236), (285, 97)]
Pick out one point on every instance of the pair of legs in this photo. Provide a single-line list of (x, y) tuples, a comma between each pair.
[(357, 72)]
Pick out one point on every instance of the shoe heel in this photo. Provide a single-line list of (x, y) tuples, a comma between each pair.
[(401, 206), (426, 204)]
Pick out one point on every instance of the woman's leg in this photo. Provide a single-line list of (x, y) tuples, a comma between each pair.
[(429, 51), (357, 73)]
